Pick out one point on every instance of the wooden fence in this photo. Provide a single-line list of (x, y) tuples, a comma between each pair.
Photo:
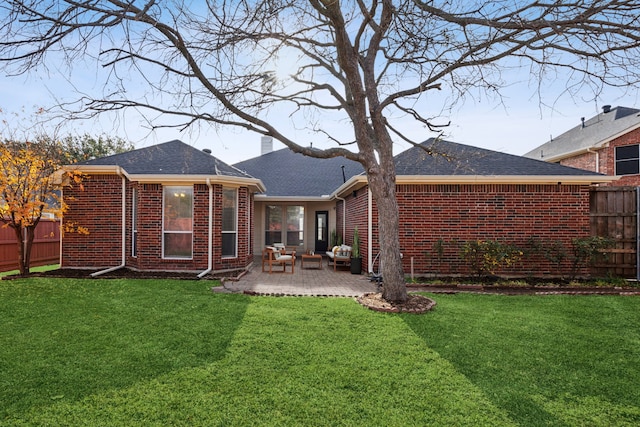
[(45, 249), (614, 214)]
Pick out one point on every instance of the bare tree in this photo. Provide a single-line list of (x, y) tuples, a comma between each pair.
[(366, 63)]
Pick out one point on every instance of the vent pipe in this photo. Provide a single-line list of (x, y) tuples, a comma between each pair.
[(606, 108)]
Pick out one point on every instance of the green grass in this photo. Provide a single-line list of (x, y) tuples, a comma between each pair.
[(169, 352), (32, 269)]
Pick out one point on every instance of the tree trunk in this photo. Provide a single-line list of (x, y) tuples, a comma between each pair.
[(383, 189), (28, 244), (18, 233)]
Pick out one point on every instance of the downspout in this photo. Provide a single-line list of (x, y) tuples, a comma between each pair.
[(124, 227), (210, 237), (369, 231)]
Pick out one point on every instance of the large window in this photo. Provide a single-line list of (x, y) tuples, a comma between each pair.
[(628, 160), (177, 241), (285, 224), (229, 222)]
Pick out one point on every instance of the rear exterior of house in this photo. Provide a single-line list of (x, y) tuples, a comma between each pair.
[(436, 219), (468, 194), (164, 208), (174, 208), (298, 207)]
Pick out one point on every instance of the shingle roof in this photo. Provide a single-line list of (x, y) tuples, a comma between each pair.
[(448, 158), (170, 158), (285, 173), (597, 130)]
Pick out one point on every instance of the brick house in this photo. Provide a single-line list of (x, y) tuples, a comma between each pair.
[(608, 143), (457, 193), (169, 207), (136, 207)]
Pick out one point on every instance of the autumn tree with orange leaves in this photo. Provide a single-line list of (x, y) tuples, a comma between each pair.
[(29, 187)]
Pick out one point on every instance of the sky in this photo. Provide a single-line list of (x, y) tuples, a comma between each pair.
[(516, 125)]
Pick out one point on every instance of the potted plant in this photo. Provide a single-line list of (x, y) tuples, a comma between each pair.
[(356, 260)]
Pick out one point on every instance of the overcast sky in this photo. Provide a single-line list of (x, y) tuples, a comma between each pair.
[(517, 126)]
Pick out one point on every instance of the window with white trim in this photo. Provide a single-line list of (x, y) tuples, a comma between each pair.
[(229, 223), (177, 228), (628, 160)]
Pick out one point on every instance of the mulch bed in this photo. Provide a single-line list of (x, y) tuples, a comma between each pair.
[(416, 304), (121, 273)]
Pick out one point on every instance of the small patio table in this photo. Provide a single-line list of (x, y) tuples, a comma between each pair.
[(312, 257)]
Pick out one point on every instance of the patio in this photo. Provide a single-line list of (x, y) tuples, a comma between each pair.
[(308, 281)]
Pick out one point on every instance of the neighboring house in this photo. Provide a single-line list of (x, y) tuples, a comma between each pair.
[(447, 194), (608, 143)]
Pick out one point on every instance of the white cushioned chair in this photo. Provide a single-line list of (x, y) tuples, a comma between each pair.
[(271, 256), (339, 254)]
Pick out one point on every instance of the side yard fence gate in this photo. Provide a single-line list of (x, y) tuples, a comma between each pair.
[(614, 213)]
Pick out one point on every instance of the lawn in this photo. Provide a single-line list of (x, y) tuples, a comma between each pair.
[(170, 352)]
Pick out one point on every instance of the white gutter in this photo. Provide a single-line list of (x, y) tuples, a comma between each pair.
[(360, 181), (173, 179), (124, 227), (210, 244), (505, 179)]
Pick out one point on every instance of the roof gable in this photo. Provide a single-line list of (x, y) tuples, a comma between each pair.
[(592, 134), (170, 158), (289, 174), (445, 158)]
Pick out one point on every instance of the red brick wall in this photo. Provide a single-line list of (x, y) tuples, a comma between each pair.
[(586, 161), (454, 214), (99, 209)]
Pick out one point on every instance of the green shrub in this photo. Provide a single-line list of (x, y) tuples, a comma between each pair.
[(587, 249), (487, 256)]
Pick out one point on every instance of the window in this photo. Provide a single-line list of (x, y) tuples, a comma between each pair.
[(229, 222), (177, 241), (285, 224), (274, 225), (295, 226), (134, 222), (628, 160)]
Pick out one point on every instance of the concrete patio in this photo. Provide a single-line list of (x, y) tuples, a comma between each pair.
[(309, 281)]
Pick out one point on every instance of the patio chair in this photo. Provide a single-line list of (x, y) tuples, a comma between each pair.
[(271, 256), (339, 255)]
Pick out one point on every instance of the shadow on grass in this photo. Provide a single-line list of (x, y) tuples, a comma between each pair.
[(538, 357), (62, 339)]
